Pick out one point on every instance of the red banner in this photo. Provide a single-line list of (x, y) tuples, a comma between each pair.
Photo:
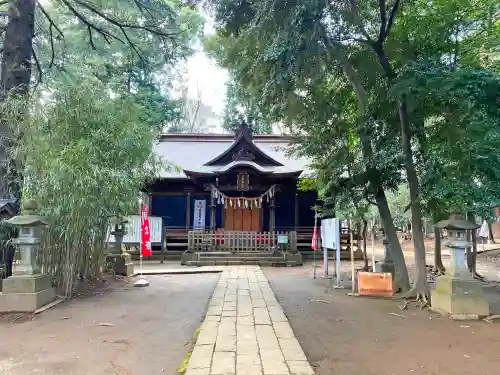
[(146, 250), (314, 242)]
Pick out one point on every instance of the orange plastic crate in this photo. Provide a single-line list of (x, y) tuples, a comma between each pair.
[(375, 284)]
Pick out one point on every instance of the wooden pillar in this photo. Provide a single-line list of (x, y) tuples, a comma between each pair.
[(272, 218), (296, 211), (212, 212), (188, 211)]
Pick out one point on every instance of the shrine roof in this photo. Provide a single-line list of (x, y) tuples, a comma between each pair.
[(192, 153)]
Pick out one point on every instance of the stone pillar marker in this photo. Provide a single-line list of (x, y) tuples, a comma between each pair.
[(121, 260), (387, 265), (28, 288), (457, 293)]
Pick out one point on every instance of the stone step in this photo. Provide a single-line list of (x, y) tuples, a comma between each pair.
[(242, 260), (234, 263), (250, 254)]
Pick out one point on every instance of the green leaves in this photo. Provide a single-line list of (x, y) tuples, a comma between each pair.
[(86, 157)]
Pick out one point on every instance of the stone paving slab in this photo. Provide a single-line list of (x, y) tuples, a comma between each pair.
[(159, 270), (245, 331)]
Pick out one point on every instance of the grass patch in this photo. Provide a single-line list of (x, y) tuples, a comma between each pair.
[(197, 332), (181, 370)]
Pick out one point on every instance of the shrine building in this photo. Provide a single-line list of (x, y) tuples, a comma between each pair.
[(241, 184)]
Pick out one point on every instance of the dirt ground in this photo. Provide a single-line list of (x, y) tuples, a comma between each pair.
[(354, 335), (125, 330)]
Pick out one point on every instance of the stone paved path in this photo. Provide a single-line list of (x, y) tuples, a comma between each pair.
[(245, 331)]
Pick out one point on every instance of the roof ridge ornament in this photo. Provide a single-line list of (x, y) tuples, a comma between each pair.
[(243, 130)]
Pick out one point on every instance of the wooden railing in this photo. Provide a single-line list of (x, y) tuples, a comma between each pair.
[(236, 241)]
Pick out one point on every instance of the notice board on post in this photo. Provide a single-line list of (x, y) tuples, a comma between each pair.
[(330, 239), (330, 233)]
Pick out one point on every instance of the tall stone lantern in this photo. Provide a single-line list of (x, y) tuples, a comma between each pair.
[(120, 259), (457, 292), (28, 288)]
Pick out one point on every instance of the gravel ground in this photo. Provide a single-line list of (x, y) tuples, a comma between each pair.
[(124, 330), (344, 335)]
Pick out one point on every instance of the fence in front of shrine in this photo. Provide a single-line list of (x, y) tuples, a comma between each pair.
[(240, 241)]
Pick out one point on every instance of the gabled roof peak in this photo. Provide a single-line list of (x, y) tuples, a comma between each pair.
[(243, 149)]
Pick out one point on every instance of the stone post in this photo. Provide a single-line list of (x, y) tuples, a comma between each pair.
[(387, 264), (28, 288), (118, 257), (457, 293)]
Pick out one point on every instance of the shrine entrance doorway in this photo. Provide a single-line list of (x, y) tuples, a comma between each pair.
[(242, 219)]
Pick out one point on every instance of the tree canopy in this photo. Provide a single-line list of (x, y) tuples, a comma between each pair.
[(379, 93)]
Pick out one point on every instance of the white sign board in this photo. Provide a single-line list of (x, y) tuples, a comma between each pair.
[(330, 239), (330, 233), (133, 228), (200, 206), (282, 239)]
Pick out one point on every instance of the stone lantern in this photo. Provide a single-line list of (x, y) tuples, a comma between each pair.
[(120, 259), (27, 289), (457, 292)]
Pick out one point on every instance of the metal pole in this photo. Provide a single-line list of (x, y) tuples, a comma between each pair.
[(325, 261), (314, 250), (372, 235), (353, 289), (141, 281), (314, 264), (337, 229), (140, 236)]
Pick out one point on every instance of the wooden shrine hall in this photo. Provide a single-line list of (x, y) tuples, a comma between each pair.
[(231, 194)]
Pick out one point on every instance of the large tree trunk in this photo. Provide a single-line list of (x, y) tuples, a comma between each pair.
[(472, 262), (15, 75), (438, 261), (401, 279), (14, 80), (420, 288)]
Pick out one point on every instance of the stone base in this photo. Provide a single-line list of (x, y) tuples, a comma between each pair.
[(293, 259), (26, 293), (122, 264), (188, 256), (388, 267), (459, 297)]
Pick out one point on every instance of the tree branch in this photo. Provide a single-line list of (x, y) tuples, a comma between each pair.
[(145, 10), (123, 26), (392, 17), (353, 6), (90, 26), (383, 20), (38, 66), (367, 197), (51, 21)]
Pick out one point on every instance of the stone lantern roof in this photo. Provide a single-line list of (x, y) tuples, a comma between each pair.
[(457, 224), (28, 217)]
